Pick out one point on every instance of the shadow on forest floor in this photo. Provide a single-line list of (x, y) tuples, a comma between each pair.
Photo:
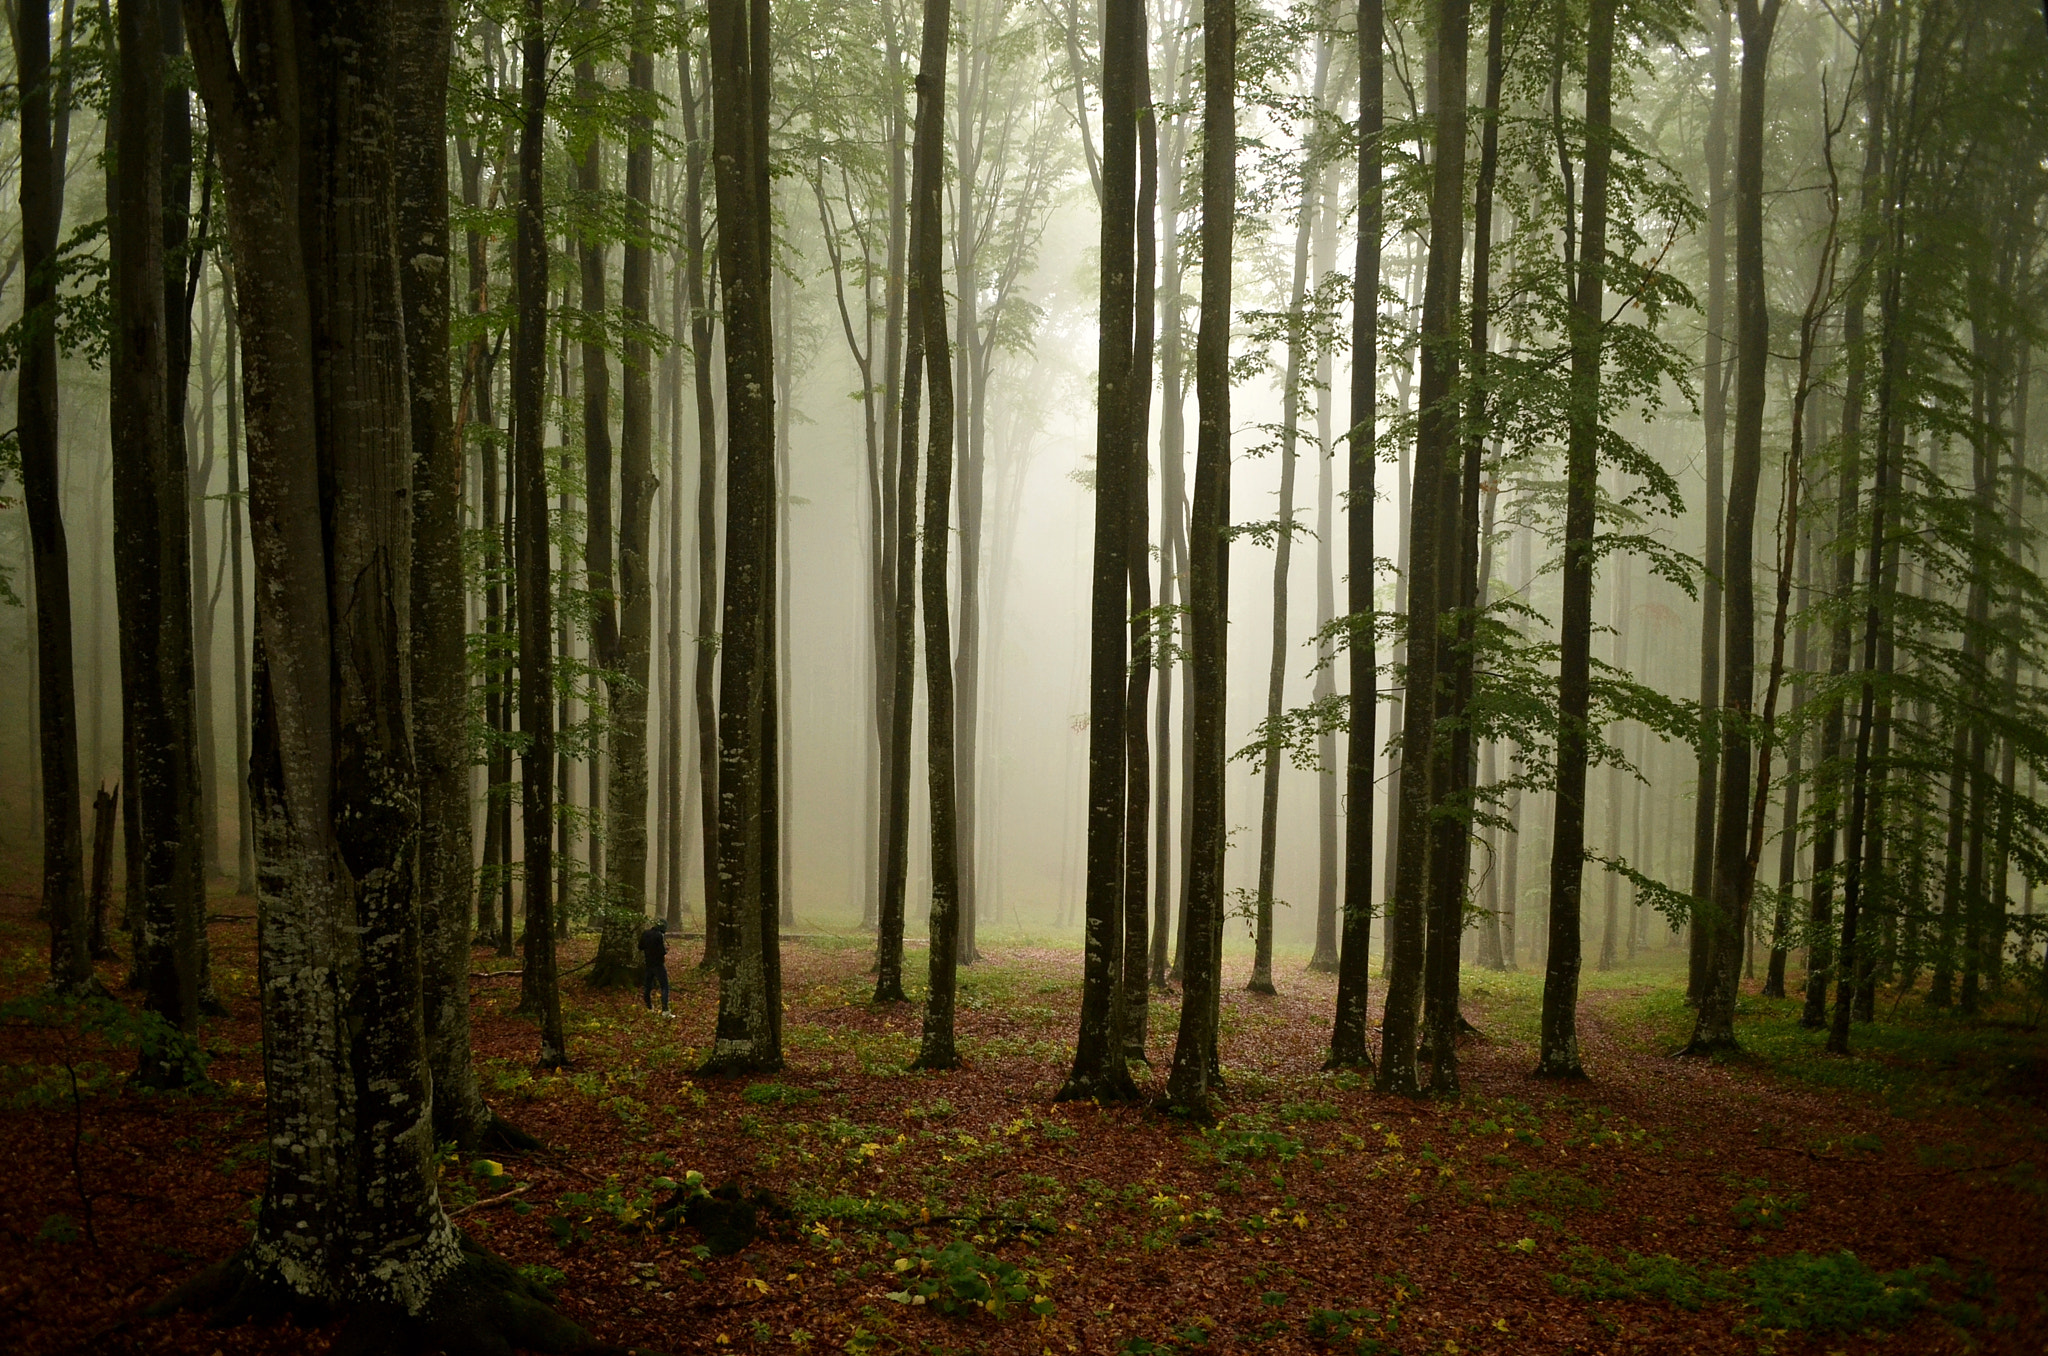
[(1779, 1201)]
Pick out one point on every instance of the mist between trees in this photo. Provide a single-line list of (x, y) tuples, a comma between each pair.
[(1539, 483)]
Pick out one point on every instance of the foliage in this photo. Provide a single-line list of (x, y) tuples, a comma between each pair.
[(956, 1278)]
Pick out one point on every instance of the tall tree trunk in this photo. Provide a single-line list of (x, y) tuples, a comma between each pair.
[(1788, 838), (1324, 692), (893, 624), (902, 644), (1137, 749), (2015, 524), (1194, 1052), (440, 673), (625, 820), (1830, 789), (1349, 1035), (1714, 408), (702, 320), (245, 842), (936, 1051), (1283, 550), (538, 983), (1099, 1070), (1726, 914), (1432, 564), (42, 207), (1168, 886), (351, 1215), (1559, 1055), (1617, 779), (749, 1036), (676, 814), (151, 566), (1866, 797), (970, 365)]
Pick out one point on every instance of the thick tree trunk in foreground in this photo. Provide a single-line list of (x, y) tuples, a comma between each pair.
[(1194, 1051), (1559, 1055), (1099, 1070), (1349, 1035), (749, 1037), (351, 1216)]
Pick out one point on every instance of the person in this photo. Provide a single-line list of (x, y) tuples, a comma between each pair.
[(654, 969)]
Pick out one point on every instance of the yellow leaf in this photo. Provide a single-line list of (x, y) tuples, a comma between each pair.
[(1501, 1324)]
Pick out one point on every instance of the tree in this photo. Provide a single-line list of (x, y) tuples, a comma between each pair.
[(151, 564), (1559, 1056), (539, 991), (1194, 1052), (1297, 336), (929, 304), (1726, 916), (1431, 563), (1099, 1070), (1714, 408), (42, 205), (749, 1037), (1349, 1037), (438, 584), (352, 1217), (702, 324), (626, 792)]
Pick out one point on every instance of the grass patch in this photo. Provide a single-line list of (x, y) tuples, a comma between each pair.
[(1554, 1190), (1835, 1293)]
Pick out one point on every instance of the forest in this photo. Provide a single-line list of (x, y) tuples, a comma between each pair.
[(1023, 676)]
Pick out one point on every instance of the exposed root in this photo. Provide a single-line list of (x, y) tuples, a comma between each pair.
[(482, 1308)]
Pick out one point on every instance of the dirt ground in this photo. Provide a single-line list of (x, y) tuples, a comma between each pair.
[(1663, 1205)]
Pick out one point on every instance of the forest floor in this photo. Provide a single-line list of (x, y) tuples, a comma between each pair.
[(1779, 1201)]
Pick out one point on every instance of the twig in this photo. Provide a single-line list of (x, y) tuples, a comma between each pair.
[(489, 1201)]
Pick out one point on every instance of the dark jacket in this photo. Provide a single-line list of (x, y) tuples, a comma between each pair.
[(654, 946)]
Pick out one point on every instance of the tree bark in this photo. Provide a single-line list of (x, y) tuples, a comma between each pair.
[(626, 793), (702, 320), (1726, 917), (1713, 407), (1349, 1035), (538, 982), (1283, 548), (1415, 923), (1137, 750), (151, 567), (42, 209), (351, 1215), (1194, 1054), (936, 1050), (749, 1035), (1559, 1055), (440, 675), (1099, 1070)]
